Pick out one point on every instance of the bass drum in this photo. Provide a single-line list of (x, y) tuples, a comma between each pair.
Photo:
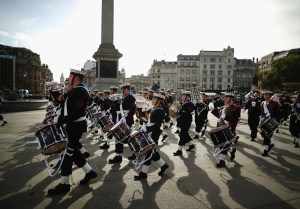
[(172, 108)]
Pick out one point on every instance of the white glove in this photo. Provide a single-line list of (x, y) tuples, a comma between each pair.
[(243, 110), (268, 115)]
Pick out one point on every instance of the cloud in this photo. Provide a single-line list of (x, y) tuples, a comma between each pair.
[(4, 33), (28, 22)]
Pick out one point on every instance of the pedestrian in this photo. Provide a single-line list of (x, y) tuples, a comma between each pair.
[(1, 116)]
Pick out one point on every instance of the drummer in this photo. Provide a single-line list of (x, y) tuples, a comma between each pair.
[(184, 122), (127, 111), (73, 115), (153, 129), (230, 114), (269, 109)]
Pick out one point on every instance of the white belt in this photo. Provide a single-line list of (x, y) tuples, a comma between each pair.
[(80, 119), (123, 113)]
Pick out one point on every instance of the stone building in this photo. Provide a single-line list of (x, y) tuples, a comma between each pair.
[(29, 73), (164, 74), (244, 73)]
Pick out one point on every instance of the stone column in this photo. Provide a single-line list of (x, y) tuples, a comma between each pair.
[(107, 56)]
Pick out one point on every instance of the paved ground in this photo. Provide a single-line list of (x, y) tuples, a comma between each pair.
[(192, 181)]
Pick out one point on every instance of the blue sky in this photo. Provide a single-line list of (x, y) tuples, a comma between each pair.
[(66, 33)]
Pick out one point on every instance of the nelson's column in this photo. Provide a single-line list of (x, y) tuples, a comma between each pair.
[(107, 56)]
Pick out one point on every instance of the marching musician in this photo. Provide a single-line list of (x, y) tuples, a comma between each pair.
[(230, 114), (153, 129), (127, 110), (73, 115), (269, 109), (114, 108), (295, 120), (184, 122), (150, 94), (253, 107), (106, 102), (201, 112)]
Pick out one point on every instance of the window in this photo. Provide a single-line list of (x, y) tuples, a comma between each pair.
[(188, 71), (212, 59), (229, 60), (193, 78), (211, 79), (158, 70), (182, 64), (181, 79), (182, 71), (220, 72), (194, 64), (228, 80), (229, 72), (212, 66), (194, 71), (220, 86), (220, 67), (220, 80), (220, 59), (204, 79), (229, 66), (211, 86), (204, 72), (204, 86), (212, 72), (188, 78), (204, 66)]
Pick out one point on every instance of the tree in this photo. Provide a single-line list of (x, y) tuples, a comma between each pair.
[(283, 70)]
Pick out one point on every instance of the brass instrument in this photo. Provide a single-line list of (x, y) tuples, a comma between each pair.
[(142, 103), (172, 108)]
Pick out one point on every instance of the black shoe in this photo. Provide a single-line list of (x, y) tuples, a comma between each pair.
[(203, 132), (277, 131), (86, 154), (164, 138), (4, 122), (177, 153), (88, 176), (59, 189), (191, 147), (166, 127), (232, 154), (171, 124), (92, 126), (270, 147), (104, 146), (116, 159), (252, 139), (132, 157), (163, 169), (141, 176), (177, 132), (221, 164), (196, 137), (296, 145), (265, 153)]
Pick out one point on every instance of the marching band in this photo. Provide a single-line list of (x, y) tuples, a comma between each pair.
[(113, 114)]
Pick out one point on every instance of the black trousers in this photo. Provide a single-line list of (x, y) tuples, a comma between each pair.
[(73, 153), (184, 136)]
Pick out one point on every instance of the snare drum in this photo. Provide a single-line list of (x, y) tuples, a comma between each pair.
[(141, 143), (52, 139), (221, 134), (106, 123), (120, 131), (269, 126), (49, 119)]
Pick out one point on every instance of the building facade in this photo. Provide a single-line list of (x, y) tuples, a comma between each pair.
[(244, 73), (29, 73), (138, 82), (164, 74)]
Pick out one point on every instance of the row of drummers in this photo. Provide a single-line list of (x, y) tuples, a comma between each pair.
[(53, 138)]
